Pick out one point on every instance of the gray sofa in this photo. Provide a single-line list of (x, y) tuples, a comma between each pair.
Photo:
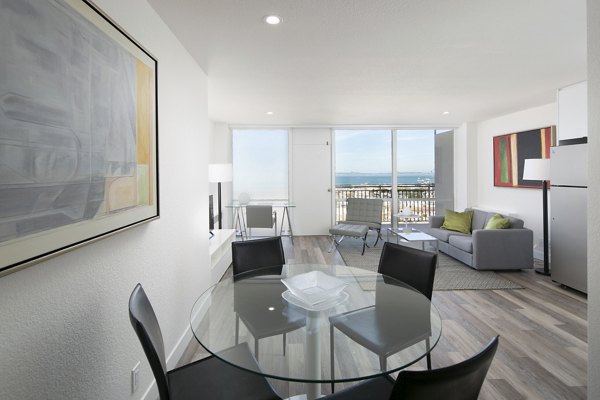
[(497, 249)]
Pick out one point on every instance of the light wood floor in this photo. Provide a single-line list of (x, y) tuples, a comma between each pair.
[(542, 328)]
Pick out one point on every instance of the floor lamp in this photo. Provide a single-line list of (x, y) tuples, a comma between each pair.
[(218, 173), (538, 169)]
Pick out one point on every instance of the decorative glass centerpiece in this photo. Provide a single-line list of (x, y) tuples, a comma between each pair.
[(314, 288)]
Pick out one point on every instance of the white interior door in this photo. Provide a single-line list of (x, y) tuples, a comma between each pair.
[(311, 188)]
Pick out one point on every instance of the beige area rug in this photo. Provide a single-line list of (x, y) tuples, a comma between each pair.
[(450, 275)]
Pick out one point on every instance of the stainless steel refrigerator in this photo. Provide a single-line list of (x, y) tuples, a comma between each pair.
[(568, 210)]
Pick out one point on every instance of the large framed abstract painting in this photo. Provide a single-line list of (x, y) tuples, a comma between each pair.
[(78, 129), (511, 151)]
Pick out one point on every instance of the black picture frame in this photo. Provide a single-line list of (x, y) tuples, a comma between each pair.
[(80, 123)]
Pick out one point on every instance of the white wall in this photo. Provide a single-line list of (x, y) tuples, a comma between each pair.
[(465, 166), (572, 111), (524, 203), (593, 16), (64, 325)]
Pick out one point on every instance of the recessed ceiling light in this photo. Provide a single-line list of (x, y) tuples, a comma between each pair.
[(446, 112), (270, 113), (272, 19)]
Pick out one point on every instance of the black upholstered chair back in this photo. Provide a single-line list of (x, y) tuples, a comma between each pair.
[(258, 253), (146, 326), (411, 266), (460, 381)]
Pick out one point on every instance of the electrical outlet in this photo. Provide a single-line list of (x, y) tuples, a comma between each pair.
[(135, 376)]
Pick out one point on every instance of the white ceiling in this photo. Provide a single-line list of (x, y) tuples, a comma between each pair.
[(380, 62)]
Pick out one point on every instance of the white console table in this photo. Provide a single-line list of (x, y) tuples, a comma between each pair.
[(219, 248)]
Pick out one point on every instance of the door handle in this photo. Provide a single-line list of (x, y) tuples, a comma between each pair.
[(329, 190)]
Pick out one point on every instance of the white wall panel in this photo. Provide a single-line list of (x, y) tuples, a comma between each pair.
[(593, 10), (311, 187), (523, 203), (64, 324), (572, 111)]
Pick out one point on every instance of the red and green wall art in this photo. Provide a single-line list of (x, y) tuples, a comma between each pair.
[(511, 151)]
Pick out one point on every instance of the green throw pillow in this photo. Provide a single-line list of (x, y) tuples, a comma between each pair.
[(497, 222), (458, 221)]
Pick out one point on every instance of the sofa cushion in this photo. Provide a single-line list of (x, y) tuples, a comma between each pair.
[(465, 243), (458, 221), (515, 223), (497, 221), (480, 218), (444, 234)]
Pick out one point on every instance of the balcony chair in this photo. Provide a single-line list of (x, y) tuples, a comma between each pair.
[(365, 212), (253, 257), (383, 336), (209, 378), (460, 381), (260, 217)]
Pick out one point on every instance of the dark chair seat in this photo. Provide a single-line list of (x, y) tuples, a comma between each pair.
[(377, 388), (261, 257), (209, 378), (386, 336), (372, 328), (212, 378), (460, 381)]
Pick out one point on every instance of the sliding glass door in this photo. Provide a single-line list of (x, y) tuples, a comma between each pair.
[(397, 165), (363, 167), (415, 166)]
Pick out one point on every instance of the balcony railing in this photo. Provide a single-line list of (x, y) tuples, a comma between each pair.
[(419, 197)]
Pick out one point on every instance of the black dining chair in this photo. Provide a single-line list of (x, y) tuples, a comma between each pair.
[(265, 317), (372, 327), (256, 254), (209, 378), (460, 381)]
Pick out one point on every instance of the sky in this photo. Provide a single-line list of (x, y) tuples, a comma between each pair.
[(260, 156), (370, 151), (260, 163)]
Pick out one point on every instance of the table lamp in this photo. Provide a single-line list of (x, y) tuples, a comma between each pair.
[(220, 173), (538, 169)]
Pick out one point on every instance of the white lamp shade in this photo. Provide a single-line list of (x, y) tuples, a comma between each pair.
[(536, 169), (220, 172)]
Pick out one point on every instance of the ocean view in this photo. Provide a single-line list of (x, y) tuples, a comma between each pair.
[(347, 179)]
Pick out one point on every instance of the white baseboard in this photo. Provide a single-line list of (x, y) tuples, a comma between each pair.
[(173, 358)]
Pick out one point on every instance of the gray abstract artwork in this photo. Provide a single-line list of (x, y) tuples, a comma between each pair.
[(67, 117)]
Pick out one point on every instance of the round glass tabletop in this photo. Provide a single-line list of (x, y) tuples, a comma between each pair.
[(299, 323)]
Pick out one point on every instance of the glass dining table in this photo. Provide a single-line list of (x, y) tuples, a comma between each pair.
[(284, 296)]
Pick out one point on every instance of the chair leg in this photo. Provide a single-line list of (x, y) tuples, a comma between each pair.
[(284, 344), (332, 357), (428, 353), (256, 348), (382, 363), (335, 243), (365, 243), (237, 329), (378, 237)]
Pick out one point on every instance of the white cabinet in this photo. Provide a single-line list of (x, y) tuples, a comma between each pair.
[(219, 248), (572, 111)]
